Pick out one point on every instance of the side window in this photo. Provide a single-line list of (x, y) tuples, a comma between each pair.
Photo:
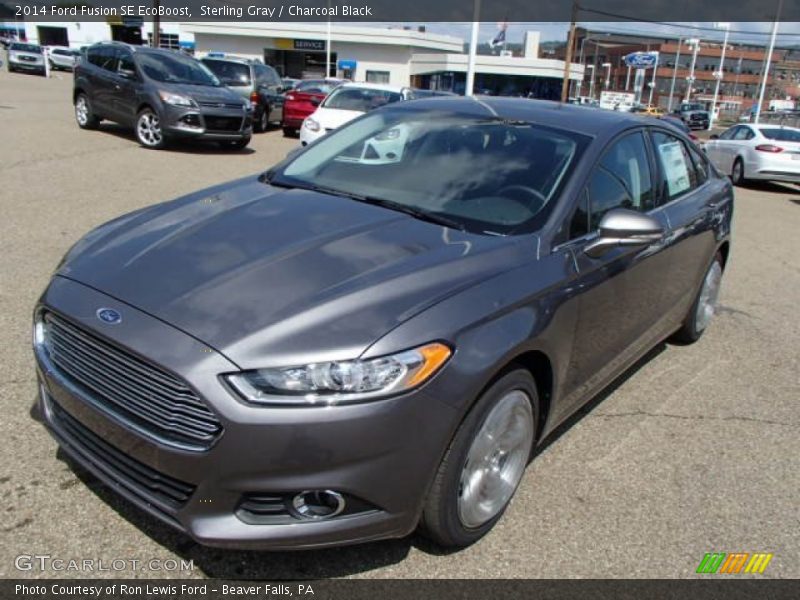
[(108, 58), (700, 166), (729, 133), (606, 192), (94, 57), (126, 62), (261, 74), (579, 225), (677, 169), (743, 133), (272, 76), (627, 161)]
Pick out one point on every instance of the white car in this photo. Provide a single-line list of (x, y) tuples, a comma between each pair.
[(61, 57), (766, 152), (345, 103)]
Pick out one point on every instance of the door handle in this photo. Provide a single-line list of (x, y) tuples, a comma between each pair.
[(117, 86)]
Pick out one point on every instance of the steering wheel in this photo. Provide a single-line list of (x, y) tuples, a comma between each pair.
[(529, 197)]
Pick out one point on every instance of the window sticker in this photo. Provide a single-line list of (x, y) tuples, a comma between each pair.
[(675, 170)]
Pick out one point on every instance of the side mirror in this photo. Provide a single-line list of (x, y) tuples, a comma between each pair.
[(622, 227), (127, 73), (714, 137)]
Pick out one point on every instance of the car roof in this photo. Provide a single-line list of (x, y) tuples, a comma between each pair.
[(572, 117), (384, 87), (235, 59)]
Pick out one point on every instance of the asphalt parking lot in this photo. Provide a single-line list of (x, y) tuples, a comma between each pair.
[(695, 450)]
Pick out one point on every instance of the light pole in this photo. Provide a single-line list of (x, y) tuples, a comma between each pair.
[(769, 60), (591, 82), (652, 83), (693, 43), (719, 74), (607, 67), (674, 74), (580, 56)]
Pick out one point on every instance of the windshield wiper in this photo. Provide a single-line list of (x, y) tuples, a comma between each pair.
[(417, 213)]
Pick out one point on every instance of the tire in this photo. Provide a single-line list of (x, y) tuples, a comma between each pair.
[(148, 130), (737, 172), (237, 144), (289, 132), (84, 115), (452, 516), (263, 121), (704, 305)]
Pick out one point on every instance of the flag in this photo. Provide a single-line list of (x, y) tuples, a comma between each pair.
[(500, 37)]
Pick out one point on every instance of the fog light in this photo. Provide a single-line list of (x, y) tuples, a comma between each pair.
[(318, 504)]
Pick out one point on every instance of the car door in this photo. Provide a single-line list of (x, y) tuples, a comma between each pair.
[(718, 149), (271, 90), (620, 293), (692, 200), (126, 84), (104, 80)]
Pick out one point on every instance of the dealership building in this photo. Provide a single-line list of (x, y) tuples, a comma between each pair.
[(394, 55)]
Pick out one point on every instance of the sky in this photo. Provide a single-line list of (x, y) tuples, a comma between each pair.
[(748, 32)]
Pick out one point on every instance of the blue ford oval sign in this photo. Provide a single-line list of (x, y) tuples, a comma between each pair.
[(641, 60), (109, 315)]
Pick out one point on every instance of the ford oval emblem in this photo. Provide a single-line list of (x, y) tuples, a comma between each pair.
[(109, 316)]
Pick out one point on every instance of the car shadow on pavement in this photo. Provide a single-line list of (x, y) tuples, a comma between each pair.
[(302, 564), (182, 146)]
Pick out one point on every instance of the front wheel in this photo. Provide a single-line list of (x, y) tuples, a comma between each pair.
[(704, 307), (484, 464), (84, 115), (289, 132), (148, 130)]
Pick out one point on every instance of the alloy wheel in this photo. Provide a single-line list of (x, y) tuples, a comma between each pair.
[(82, 110), (149, 129), (496, 460)]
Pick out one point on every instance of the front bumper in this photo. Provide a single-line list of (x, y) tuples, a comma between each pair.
[(221, 124), (27, 66), (365, 451), (307, 136)]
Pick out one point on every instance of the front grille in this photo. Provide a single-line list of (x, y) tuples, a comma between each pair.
[(223, 123), (137, 477), (128, 387), (219, 105), (28, 58)]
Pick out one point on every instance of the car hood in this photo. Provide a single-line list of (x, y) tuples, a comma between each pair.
[(271, 276), (20, 53), (331, 118), (202, 93)]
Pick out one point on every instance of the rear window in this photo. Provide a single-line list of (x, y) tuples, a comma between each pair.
[(781, 135), (230, 73), (26, 48), (360, 99)]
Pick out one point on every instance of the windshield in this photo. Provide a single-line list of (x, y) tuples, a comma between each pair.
[(360, 99), (692, 107), (315, 86), (26, 48), (230, 73), (484, 175), (175, 68), (781, 135)]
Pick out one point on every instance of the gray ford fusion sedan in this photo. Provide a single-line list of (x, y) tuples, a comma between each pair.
[(374, 335)]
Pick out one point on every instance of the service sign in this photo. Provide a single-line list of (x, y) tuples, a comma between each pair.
[(641, 60)]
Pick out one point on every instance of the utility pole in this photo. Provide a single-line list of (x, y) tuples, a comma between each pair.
[(568, 57), (765, 78), (156, 24), (473, 48), (674, 74)]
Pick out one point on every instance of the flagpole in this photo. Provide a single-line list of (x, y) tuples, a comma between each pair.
[(473, 49)]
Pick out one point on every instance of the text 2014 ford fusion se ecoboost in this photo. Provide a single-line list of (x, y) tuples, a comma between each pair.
[(374, 335)]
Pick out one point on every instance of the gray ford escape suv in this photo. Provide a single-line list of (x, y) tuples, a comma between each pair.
[(375, 334), (160, 93)]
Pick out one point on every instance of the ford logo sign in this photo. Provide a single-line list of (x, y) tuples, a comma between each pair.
[(109, 316), (641, 60)]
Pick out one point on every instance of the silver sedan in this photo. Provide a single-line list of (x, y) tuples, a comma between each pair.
[(765, 152)]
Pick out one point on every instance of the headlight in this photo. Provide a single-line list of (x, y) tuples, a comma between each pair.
[(341, 382), (311, 124), (176, 99)]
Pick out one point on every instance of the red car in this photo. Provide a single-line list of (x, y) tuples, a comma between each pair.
[(303, 100)]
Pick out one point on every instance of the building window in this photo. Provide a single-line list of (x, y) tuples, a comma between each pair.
[(166, 40), (377, 76)]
